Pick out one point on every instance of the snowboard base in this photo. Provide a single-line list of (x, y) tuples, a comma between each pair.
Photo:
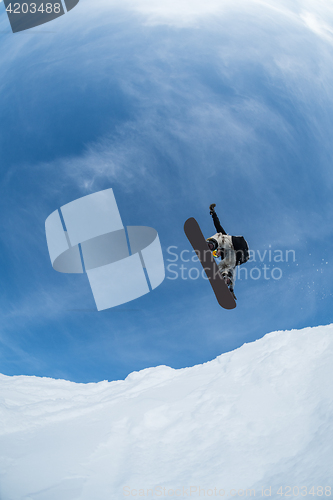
[(199, 244)]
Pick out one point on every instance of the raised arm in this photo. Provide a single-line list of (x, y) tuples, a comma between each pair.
[(218, 227)]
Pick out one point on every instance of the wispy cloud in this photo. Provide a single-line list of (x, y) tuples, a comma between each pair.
[(318, 26)]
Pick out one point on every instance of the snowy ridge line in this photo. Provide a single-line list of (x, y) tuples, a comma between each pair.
[(257, 417), (67, 405), (34, 392)]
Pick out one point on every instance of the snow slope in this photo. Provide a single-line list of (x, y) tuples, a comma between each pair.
[(257, 417)]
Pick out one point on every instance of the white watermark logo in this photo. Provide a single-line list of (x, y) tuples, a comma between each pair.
[(122, 263)]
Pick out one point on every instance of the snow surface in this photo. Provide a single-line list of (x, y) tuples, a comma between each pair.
[(257, 417)]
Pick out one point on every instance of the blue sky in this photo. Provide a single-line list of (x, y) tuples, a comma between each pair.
[(174, 106)]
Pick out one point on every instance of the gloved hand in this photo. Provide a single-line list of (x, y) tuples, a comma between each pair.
[(212, 208)]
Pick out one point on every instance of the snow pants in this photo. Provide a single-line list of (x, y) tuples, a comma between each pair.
[(227, 266)]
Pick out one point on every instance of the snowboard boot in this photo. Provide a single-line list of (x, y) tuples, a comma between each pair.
[(212, 208)]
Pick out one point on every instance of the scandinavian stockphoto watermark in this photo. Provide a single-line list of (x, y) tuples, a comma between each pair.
[(268, 263), (26, 14), (218, 492), (186, 492)]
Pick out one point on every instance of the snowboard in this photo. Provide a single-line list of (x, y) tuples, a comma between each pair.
[(199, 244)]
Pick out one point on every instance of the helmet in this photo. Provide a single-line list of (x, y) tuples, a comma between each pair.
[(212, 244)]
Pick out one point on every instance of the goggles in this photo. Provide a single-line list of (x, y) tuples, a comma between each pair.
[(212, 244)]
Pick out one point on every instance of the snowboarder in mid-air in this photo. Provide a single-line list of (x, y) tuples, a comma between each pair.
[(233, 251)]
